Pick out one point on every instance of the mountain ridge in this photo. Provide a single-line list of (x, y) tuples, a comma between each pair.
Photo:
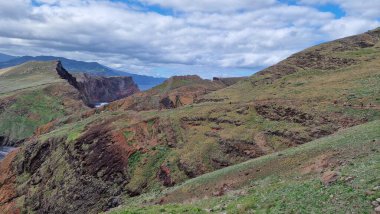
[(94, 68), (5, 57)]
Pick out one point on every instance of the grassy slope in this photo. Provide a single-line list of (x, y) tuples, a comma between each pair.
[(342, 93), (177, 90), (308, 90), (33, 94), (281, 185), (32, 109), (227, 127), (345, 84), (26, 76)]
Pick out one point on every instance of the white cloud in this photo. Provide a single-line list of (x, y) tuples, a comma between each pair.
[(232, 37), (63, 2), (348, 26), (360, 17), (14, 9), (356, 8), (212, 5)]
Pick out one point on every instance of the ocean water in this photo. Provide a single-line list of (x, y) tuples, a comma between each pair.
[(4, 150), (97, 105)]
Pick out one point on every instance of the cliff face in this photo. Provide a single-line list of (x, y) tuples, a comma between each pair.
[(97, 89), (36, 93)]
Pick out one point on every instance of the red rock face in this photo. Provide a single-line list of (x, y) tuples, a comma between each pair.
[(164, 176), (8, 194), (96, 164)]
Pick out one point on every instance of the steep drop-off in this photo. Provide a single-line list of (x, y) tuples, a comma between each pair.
[(97, 89)]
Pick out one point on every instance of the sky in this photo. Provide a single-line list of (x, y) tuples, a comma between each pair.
[(178, 37)]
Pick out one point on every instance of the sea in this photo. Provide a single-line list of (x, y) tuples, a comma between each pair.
[(98, 105), (4, 150)]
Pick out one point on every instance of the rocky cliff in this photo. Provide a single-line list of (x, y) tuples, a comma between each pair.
[(98, 89)]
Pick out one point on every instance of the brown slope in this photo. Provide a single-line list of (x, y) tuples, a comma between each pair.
[(175, 92), (320, 57)]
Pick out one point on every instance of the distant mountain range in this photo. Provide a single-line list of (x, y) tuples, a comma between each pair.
[(74, 66), (5, 57)]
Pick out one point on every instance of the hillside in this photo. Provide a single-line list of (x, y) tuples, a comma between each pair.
[(31, 95), (93, 68), (5, 57), (96, 160), (35, 93), (338, 173), (175, 92)]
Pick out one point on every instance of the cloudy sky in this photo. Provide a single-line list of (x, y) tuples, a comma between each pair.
[(176, 37)]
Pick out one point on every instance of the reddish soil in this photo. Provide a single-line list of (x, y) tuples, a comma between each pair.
[(8, 194), (319, 164)]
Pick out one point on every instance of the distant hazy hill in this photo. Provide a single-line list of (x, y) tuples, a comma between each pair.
[(144, 82), (4, 57)]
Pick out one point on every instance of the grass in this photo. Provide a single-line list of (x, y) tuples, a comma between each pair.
[(36, 95), (286, 189), (166, 209), (190, 148), (353, 137), (143, 168), (128, 134), (28, 76), (287, 195), (133, 160), (31, 109)]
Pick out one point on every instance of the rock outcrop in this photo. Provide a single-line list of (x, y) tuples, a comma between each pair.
[(98, 89)]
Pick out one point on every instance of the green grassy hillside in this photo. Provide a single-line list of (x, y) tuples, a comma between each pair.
[(285, 182), (31, 95), (28, 75)]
